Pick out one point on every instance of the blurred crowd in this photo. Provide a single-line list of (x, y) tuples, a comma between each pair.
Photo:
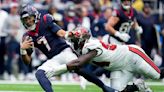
[(92, 14)]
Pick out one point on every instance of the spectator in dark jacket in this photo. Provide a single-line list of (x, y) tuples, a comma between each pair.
[(146, 21)]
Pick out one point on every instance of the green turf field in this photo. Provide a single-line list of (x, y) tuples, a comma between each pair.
[(37, 88), (157, 88), (58, 88)]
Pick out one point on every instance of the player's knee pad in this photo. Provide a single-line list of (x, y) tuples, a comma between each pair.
[(39, 73)]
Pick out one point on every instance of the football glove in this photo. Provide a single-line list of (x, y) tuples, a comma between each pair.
[(123, 36), (139, 29)]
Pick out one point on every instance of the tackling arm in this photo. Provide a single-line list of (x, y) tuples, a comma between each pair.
[(76, 64)]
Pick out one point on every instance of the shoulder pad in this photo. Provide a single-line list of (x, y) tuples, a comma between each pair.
[(115, 13), (92, 45), (48, 18)]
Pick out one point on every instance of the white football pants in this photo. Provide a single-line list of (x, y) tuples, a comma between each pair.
[(57, 64)]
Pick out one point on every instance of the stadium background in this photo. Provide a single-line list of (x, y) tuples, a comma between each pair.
[(15, 76)]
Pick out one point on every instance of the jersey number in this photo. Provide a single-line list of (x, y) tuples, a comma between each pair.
[(125, 27), (44, 41), (108, 46)]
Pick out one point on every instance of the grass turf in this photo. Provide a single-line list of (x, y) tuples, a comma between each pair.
[(59, 88), (37, 88)]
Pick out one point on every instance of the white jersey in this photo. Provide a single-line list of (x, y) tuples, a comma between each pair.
[(116, 55), (125, 61)]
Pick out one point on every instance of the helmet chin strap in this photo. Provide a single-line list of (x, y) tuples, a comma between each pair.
[(32, 28)]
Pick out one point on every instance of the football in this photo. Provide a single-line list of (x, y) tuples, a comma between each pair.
[(29, 51)]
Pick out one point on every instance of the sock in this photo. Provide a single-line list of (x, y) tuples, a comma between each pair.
[(43, 80), (92, 78)]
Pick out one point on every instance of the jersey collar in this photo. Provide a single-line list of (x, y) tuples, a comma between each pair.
[(130, 14), (35, 33)]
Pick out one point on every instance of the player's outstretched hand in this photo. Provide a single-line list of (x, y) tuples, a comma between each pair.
[(72, 34), (27, 43), (123, 36)]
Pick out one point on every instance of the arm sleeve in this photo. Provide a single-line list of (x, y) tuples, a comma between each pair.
[(50, 22)]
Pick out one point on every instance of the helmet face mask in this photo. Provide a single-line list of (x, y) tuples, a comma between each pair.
[(81, 35), (29, 22), (29, 17), (126, 4)]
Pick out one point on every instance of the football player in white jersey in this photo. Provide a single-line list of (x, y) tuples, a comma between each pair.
[(124, 61)]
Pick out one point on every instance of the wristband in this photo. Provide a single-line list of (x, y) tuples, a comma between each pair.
[(66, 35), (23, 52)]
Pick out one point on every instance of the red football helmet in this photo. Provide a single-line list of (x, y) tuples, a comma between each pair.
[(81, 32), (80, 35)]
